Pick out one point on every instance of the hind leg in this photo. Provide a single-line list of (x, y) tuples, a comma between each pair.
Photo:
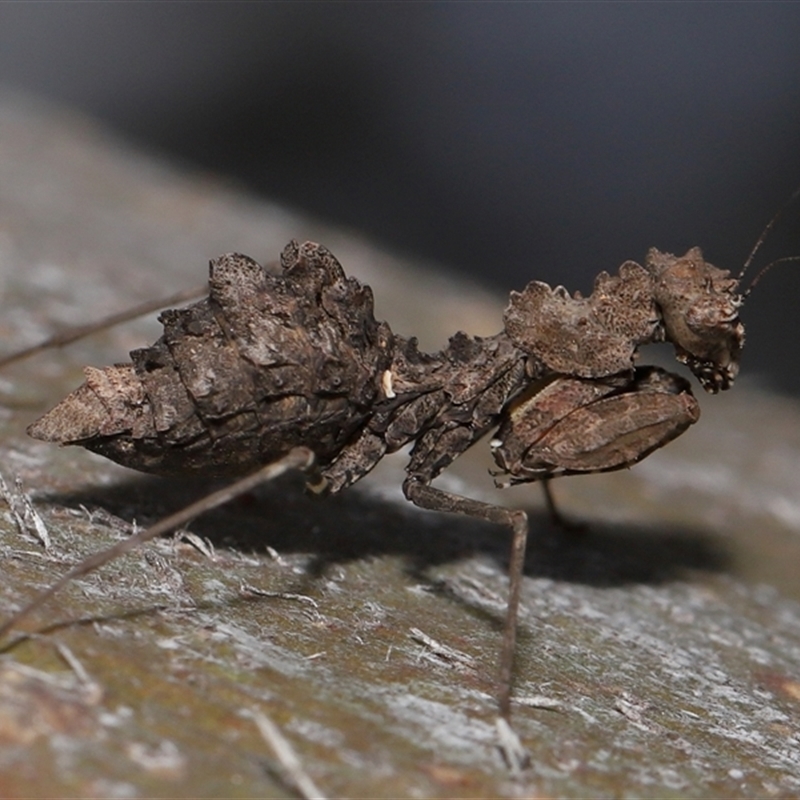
[(429, 497), (299, 458)]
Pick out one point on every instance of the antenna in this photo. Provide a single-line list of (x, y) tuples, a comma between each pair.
[(770, 225), (766, 269)]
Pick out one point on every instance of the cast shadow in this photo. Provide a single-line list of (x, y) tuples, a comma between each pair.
[(358, 524)]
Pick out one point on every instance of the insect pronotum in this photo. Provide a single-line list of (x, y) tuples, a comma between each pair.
[(291, 371)]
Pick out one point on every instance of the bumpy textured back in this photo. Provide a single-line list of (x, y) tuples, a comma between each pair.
[(240, 377), (588, 337)]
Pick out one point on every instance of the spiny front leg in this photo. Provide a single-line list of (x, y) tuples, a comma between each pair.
[(424, 495), (579, 426)]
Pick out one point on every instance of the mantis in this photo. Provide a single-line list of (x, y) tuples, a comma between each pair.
[(271, 373)]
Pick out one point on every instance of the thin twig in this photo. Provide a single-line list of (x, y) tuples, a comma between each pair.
[(292, 772)]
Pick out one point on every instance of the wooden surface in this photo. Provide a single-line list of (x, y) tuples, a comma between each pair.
[(665, 639)]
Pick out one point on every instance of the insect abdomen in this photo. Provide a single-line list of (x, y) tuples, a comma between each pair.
[(264, 364)]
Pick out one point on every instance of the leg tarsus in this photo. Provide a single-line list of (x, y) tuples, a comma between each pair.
[(515, 755), (354, 461)]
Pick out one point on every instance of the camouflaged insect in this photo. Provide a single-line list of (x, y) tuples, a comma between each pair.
[(271, 367), (268, 362)]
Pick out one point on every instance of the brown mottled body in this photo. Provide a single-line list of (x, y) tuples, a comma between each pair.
[(270, 366), (270, 362)]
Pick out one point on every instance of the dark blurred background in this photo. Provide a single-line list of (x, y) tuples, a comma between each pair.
[(506, 141)]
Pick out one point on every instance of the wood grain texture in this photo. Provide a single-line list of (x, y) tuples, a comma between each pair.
[(668, 636)]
